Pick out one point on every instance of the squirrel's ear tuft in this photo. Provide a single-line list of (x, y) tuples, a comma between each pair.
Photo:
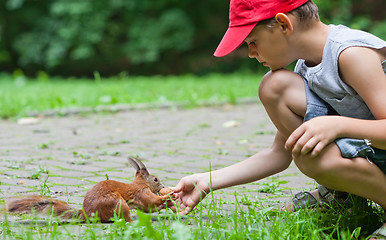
[(134, 163), (140, 164)]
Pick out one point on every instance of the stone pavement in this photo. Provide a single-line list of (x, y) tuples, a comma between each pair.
[(75, 152)]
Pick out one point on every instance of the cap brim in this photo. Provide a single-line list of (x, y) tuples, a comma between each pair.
[(232, 39)]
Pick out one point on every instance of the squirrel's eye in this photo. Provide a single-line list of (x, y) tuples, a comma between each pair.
[(155, 179)]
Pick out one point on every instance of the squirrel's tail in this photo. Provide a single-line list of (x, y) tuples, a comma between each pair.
[(45, 205)]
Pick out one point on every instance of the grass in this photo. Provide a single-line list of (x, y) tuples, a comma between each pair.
[(237, 216), (244, 217), (20, 96), (213, 219)]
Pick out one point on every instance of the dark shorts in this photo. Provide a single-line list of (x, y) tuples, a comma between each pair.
[(349, 147)]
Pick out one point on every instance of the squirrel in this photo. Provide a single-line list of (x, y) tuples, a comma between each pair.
[(104, 199)]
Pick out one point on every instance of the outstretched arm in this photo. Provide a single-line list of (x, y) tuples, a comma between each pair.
[(192, 189)]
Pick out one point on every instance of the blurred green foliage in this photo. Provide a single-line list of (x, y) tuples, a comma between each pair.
[(367, 15), (71, 37)]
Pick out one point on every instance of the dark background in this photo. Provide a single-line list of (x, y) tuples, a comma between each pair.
[(139, 37)]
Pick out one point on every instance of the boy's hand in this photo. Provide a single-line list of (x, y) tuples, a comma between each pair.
[(190, 191), (314, 135)]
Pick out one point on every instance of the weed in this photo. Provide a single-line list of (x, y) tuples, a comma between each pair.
[(82, 155), (221, 151), (44, 189), (110, 153), (13, 164), (269, 188), (206, 156), (38, 172), (80, 161), (42, 146), (193, 129)]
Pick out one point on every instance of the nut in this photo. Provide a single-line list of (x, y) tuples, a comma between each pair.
[(165, 191)]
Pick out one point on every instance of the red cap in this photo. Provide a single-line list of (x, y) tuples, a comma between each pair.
[(245, 14)]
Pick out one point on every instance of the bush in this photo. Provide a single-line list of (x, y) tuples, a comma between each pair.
[(69, 37)]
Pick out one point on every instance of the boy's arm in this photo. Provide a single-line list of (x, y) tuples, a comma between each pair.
[(193, 188), (263, 164), (361, 69)]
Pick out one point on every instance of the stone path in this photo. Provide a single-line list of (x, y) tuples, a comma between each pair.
[(75, 152)]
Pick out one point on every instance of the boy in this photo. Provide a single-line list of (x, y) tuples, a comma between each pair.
[(327, 113)]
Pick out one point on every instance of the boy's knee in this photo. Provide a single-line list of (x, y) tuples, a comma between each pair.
[(274, 84), (325, 170), (306, 167), (314, 169)]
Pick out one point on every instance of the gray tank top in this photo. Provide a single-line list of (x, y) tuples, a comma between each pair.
[(324, 78)]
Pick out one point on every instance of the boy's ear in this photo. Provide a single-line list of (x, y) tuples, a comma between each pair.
[(285, 23)]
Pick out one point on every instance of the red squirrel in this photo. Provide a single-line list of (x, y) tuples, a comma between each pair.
[(104, 199)]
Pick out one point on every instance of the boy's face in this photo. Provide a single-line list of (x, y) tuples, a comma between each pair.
[(269, 46)]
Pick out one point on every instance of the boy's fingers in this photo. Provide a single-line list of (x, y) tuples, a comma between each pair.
[(175, 195), (177, 207), (187, 210), (293, 138), (178, 187), (181, 209), (289, 143), (317, 149), (173, 208), (302, 142), (309, 146), (176, 192), (184, 211)]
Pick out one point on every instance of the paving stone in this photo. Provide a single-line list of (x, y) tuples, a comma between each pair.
[(69, 173), (10, 190), (60, 191), (66, 181), (21, 182), (173, 143)]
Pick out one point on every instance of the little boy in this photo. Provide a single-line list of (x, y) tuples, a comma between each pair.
[(330, 113)]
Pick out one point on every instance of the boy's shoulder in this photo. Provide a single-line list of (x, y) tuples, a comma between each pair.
[(344, 35), (339, 39)]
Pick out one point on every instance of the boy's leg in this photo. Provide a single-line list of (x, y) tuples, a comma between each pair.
[(284, 98), (283, 95), (357, 175)]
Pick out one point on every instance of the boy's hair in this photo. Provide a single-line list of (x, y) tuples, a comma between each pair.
[(306, 15)]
